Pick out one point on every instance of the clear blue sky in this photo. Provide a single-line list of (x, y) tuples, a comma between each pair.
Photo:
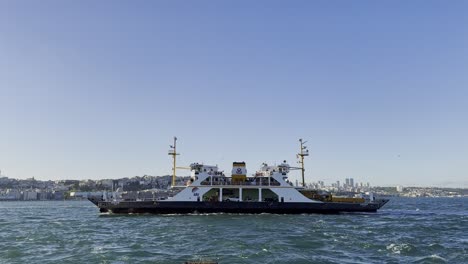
[(97, 89)]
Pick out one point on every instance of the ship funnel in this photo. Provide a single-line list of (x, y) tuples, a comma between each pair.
[(239, 172)]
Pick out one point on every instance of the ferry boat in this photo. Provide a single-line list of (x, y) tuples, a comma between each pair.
[(268, 190)]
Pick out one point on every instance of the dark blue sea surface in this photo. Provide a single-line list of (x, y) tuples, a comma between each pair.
[(406, 230)]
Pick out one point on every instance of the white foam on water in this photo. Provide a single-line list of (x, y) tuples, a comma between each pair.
[(434, 256), (398, 248), (97, 250), (431, 258)]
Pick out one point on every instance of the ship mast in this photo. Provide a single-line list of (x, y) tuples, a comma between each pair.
[(173, 153), (302, 153)]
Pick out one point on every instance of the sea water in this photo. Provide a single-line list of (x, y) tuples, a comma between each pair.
[(406, 230)]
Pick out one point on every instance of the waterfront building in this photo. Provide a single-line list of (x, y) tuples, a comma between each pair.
[(10, 195), (58, 195), (29, 195), (321, 184), (13, 194)]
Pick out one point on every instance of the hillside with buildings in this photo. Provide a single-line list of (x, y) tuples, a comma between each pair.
[(32, 189)]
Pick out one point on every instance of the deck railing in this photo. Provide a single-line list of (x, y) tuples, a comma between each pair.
[(230, 182)]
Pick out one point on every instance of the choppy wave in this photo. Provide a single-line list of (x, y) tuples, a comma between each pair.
[(70, 232)]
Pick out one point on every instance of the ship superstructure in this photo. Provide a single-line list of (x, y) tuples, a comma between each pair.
[(268, 184)]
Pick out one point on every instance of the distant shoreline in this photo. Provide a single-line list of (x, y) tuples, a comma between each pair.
[(81, 200)]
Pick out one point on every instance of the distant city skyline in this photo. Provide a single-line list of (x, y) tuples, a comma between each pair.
[(94, 90)]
